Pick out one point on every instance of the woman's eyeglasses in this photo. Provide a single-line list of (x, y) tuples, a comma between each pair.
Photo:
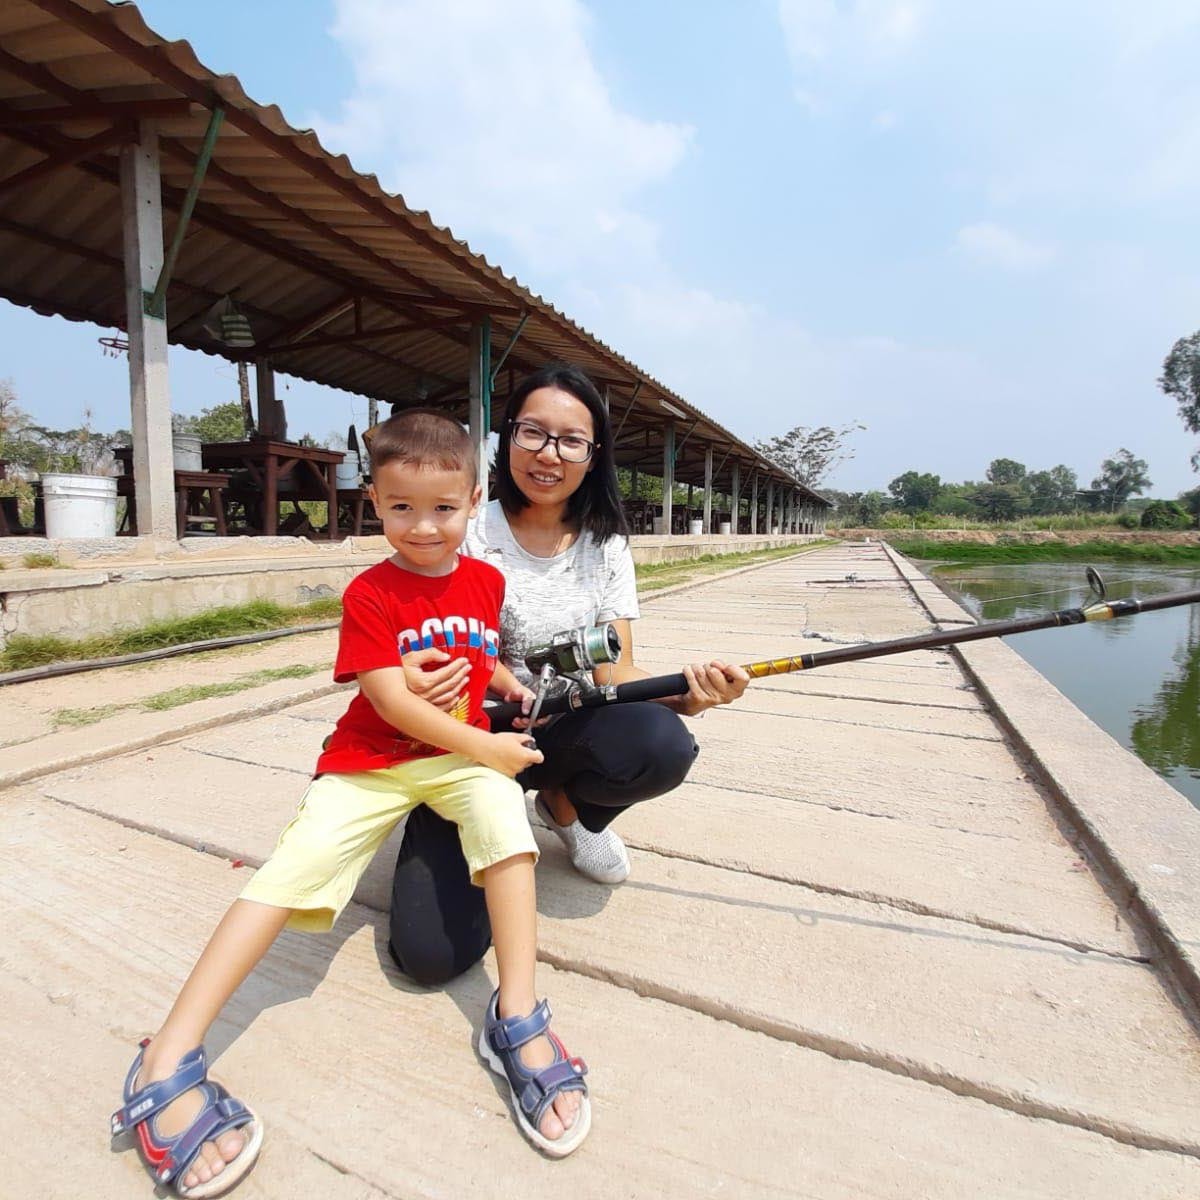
[(570, 447)]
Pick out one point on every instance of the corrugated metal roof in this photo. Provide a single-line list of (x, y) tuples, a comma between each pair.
[(317, 255)]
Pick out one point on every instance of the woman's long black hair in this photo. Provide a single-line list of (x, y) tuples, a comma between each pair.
[(595, 506)]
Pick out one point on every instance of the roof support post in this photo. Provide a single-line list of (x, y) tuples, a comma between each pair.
[(149, 392), (272, 420), (770, 507), (668, 483), (754, 502), (156, 301), (735, 497), (480, 417), (708, 488)]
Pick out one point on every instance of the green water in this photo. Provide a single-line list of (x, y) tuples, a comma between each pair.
[(1137, 678)]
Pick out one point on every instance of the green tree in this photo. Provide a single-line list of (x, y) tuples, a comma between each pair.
[(1005, 471), (1165, 514), (221, 423), (810, 454), (1191, 502), (1181, 381), (1120, 477), (870, 508), (1052, 491), (999, 501), (915, 492)]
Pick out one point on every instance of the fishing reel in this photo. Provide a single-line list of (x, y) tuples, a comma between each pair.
[(572, 654), (574, 651)]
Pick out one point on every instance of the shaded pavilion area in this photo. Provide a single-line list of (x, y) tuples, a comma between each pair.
[(139, 189)]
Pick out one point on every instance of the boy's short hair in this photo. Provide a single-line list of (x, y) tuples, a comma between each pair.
[(423, 437)]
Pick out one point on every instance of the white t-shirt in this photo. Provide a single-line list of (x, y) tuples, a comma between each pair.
[(587, 584)]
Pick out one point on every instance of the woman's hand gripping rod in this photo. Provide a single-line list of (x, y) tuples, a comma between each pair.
[(577, 651)]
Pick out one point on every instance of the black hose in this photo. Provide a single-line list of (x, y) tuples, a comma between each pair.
[(51, 670)]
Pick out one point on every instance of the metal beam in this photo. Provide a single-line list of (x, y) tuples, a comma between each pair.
[(512, 341), (156, 301), (75, 150), (97, 110)]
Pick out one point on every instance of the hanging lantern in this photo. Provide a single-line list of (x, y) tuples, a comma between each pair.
[(228, 324)]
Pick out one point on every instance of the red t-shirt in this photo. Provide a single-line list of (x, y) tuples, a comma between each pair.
[(388, 611)]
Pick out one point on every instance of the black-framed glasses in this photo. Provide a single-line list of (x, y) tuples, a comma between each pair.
[(570, 447)]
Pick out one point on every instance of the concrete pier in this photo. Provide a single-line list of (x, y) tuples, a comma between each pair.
[(913, 928)]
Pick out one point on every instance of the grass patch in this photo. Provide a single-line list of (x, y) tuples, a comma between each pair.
[(33, 561), (25, 651), (653, 576), (1032, 552), (175, 697)]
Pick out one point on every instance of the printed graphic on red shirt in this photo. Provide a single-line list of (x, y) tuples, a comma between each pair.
[(388, 612)]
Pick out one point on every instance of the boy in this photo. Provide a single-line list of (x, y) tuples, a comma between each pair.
[(391, 751)]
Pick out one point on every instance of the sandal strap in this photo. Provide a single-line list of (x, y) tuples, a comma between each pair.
[(513, 1032), (143, 1103), (220, 1114), (540, 1090)]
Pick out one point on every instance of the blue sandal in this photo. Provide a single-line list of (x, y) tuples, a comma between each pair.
[(170, 1157), (533, 1092)]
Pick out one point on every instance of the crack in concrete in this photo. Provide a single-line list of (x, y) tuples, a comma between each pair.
[(967, 737), (859, 812), (910, 906)]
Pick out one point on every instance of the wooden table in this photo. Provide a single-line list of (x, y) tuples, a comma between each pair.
[(313, 470)]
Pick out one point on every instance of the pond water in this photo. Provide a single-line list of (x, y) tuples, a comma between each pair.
[(1138, 678)]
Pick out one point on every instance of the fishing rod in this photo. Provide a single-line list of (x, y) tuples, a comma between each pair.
[(574, 653)]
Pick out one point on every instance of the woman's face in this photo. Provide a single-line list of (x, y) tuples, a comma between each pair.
[(542, 475)]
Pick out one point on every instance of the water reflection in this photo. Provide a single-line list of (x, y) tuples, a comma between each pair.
[(1139, 678), (1166, 734)]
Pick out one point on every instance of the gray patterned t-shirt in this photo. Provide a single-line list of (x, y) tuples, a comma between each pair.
[(589, 583)]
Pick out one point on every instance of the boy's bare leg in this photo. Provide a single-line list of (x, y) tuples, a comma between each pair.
[(245, 934), (512, 908)]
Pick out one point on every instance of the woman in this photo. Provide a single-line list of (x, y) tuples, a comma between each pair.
[(557, 532)]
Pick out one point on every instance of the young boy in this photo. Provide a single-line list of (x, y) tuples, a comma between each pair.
[(391, 751)]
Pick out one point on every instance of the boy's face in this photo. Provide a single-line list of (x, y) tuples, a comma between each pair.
[(424, 511)]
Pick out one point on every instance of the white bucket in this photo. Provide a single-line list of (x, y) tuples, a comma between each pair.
[(726, 528), (658, 524), (348, 473), (80, 506), (695, 527), (186, 453)]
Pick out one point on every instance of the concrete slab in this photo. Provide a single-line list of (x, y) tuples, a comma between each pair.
[(866, 931), (418, 1115)]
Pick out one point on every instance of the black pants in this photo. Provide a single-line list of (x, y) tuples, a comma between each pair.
[(605, 759)]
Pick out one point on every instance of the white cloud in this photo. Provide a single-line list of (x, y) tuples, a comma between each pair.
[(992, 245), (496, 120)]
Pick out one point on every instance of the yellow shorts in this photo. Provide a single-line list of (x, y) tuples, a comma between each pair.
[(343, 819)]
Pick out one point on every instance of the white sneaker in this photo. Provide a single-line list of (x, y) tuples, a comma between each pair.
[(599, 856)]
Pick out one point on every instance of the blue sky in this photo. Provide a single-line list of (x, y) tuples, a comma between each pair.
[(971, 227)]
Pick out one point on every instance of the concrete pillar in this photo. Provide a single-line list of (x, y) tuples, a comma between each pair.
[(770, 506), (149, 391), (668, 473), (708, 489), (735, 498), (754, 502), (480, 394)]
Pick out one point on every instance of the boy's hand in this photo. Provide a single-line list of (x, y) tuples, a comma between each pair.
[(511, 753), (440, 686)]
